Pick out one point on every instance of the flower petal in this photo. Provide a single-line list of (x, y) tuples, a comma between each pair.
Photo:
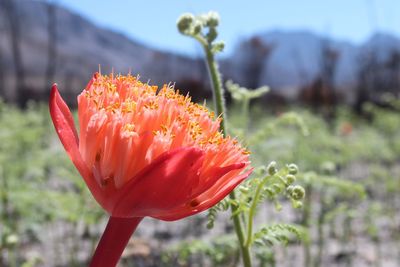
[(65, 128), (160, 186), (204, 201), (215, 174)]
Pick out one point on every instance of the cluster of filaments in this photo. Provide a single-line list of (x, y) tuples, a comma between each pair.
[(126, 124)]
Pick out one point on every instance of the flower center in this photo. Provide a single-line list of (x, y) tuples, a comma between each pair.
[(125, 124)]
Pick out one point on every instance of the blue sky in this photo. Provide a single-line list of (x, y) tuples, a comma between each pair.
[(153, 21)]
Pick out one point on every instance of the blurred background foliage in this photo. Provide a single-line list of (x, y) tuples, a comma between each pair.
[(349, 167)]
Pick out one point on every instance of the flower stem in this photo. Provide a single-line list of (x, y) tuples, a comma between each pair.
[(219, 102), (113, 241), (218, 91), (252, 211)]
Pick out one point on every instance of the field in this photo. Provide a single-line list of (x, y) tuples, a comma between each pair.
[(348, 164)]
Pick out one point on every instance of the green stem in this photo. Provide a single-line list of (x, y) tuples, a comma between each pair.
[(217, 87), (245, 116), (220, 109), (252, 212), (306, 223), (245, 250)]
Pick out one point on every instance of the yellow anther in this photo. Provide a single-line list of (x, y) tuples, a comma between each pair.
[(164, 128), (129, 127), (246, 152), (151, 105)]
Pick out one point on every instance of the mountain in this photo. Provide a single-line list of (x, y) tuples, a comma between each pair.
[(55, 44), (291, 61), (80, 48)]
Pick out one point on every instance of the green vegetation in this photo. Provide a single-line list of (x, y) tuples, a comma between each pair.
[(349, 168), (39, 188)]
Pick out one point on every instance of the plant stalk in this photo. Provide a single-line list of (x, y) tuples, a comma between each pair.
[(252, 211), (113, 241), (219, 102)]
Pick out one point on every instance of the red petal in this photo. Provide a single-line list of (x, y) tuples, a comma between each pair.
[(65, 128), (61, 115), (206, 200), (163, 185), (94, 78), (215, 175)]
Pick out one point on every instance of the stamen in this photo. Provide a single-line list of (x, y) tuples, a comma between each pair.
[(138, 116)]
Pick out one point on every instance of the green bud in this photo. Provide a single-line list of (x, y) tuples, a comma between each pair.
[(272, 168), (297, 204), (298, 192), (184, 23), (212, 35), (290, 179), (289, 189), (218, 47), (212, 19), (293, 169), (197, 28)]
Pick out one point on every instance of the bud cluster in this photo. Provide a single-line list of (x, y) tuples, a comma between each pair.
[(202, 28), (275, 183), (242, 93)]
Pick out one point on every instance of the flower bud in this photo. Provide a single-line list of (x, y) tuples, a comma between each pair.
[(297, 204), (289, 189), (212, 19), (197, 28), (185, 22), (272, 168), (290, 179), (293, 169), (218, 47), (298, 192)]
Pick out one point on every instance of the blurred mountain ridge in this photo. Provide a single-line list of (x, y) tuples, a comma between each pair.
[(291, 61), (54, 44), (80, 48)]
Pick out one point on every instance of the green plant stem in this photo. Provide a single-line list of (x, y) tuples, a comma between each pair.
[(306, 222), (217, 88), (245, 250), (245, 113), (320, 233), (219, 102), (252, 212)]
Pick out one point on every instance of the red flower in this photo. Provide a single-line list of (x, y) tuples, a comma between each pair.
[(144, 152)]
